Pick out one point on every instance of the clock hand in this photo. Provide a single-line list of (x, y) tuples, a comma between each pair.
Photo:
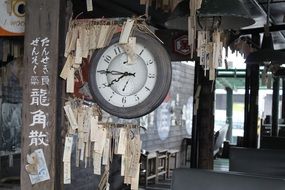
[(117, 80), (110, 72), (126, 85), (122, 76), (115, 72)]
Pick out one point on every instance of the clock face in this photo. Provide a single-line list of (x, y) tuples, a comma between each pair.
[(130, 90), (123, 84)]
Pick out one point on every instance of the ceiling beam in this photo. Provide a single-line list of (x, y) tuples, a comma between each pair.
[(273, 28)]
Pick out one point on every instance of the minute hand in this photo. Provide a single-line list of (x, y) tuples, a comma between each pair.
[(110, 72), (122, 76)]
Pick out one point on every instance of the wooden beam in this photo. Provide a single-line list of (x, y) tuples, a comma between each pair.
[(41, 59), (205, 121), (273, 28), (251, 102)]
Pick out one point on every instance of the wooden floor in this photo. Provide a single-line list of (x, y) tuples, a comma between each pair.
[(220, 164)]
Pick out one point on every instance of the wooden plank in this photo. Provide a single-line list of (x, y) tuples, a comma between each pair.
[(41, 58)]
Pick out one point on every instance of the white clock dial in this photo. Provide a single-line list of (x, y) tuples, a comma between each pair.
[(123, 84), (130, 90)]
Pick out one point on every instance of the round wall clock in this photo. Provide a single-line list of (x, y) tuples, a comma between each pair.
[(130, 90)]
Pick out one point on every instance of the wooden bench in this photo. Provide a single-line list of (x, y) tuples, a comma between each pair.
[(156, 164), (162, 161), (197, 179), (272, 143), (258, 161), (171, 154), (148, 167)]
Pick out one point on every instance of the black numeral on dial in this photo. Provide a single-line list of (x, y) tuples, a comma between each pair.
[(108, 58)]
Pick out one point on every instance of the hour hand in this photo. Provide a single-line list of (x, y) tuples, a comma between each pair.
[(110, 72)]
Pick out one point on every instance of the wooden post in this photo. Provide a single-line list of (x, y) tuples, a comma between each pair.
[(275, 107), (205, 122), (41, 60), (229, 112), (250, 127)]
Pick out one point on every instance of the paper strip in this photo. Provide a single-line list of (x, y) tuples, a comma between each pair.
[(106, 152), (122, 141), (89, 5), (97, 163), (93, 128), (70, 81), (67, 149), (66, 173), (70, 116), (126, 31)]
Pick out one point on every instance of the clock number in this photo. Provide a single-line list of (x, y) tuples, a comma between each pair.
[(124, 99), (137, 98), (141, 52), (117, 50), (151, 76), (108, 59), (111, 96), (147, 88), (149, 62)]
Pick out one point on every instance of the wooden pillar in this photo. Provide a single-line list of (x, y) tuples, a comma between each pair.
[(275, 107), (194, 136), (40, 108), (250, 128), (283, 99), (229, 113), (246, 105), (205, 121)]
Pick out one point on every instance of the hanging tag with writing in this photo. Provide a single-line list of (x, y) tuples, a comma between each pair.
[(106, 152), (93, 128), (78, 52), (66, 173), (67, 149), (103, 36), (65, 71), (122, 141), (89, 5), (97, 163), (70, 116), (126, 31), (68, 39), (84, 40)]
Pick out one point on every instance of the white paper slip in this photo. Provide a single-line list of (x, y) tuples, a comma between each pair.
[(122, 141), (106, 152), (100, 142), (67, 149), (78, 52), (66, 173), (70, 116), (89, 5), (93, 128), (70, 81), (97, 163), (126, 31)]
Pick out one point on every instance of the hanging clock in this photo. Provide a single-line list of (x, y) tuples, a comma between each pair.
[(130, 90)]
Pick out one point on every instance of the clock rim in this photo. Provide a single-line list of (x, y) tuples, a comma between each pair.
[(161, 87)]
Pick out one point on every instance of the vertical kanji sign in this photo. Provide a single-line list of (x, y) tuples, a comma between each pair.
[(41, 60)]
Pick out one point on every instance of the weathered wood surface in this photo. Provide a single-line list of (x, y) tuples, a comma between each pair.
[(205, 121), (42, 21)]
